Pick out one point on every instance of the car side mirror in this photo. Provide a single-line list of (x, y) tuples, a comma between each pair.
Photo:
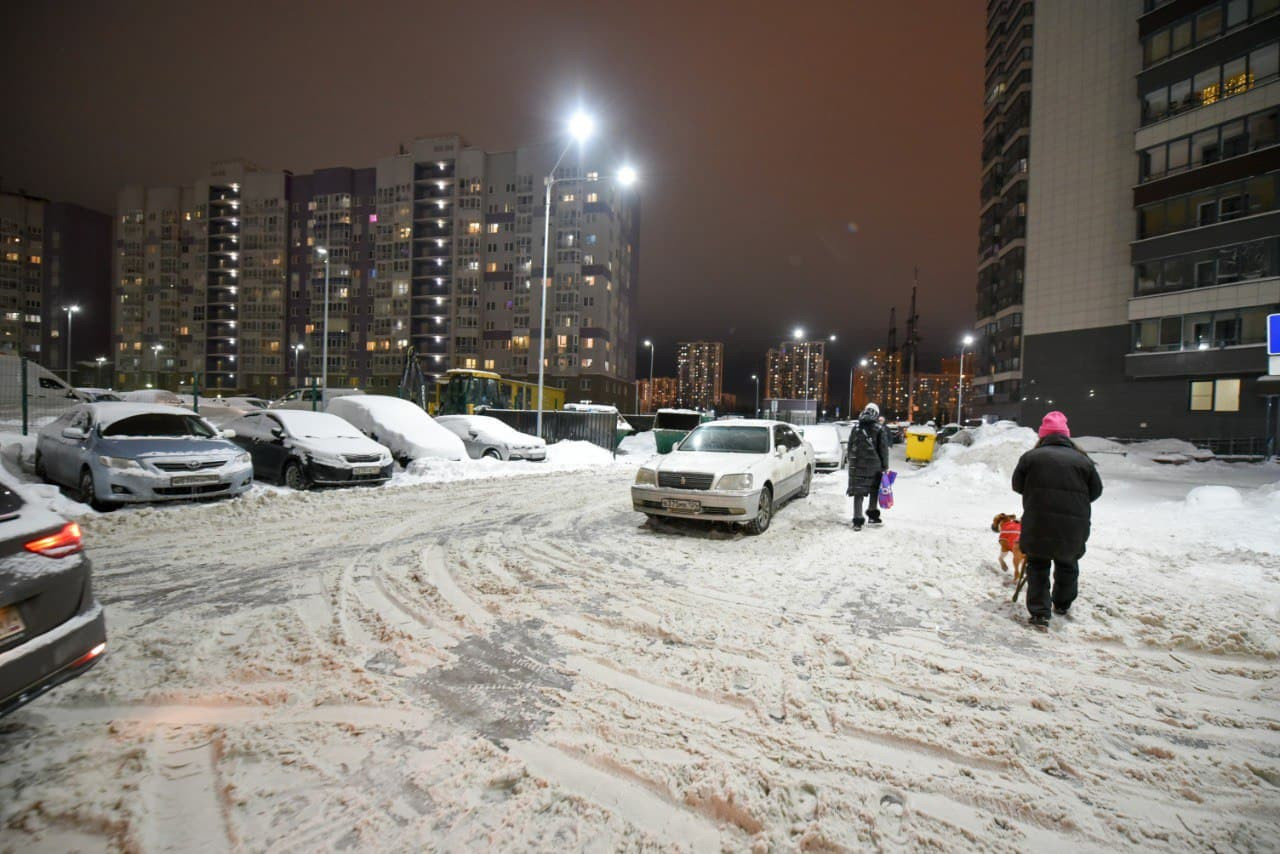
[(73, 433), (228, 434), (779, 450), (277, 433)]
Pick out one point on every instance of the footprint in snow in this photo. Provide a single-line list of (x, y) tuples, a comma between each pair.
[(893, 815)]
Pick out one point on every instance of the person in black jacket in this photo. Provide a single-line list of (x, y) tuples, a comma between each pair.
[(1057, 482), (868, 460)]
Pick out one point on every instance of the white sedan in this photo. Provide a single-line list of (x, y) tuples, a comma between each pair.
[(828, 450), (486, 436), (731, 471)]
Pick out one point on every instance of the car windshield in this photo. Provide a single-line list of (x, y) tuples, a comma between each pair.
[(718, 439), (317, 425), (159, 424)]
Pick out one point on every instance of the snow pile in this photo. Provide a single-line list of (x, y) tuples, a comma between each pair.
[(990, 459), (1170, 451), (638, 445), (578, 455), (401, 425), (1214, 498), (1097, 445)]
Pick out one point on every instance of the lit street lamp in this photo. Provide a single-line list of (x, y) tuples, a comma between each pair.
[(155, 361), (297, 362), (70, 310), (755, 378), (324, 344), (653, 397), (862, 363), (581, 128), (101, 360), (965, 342)]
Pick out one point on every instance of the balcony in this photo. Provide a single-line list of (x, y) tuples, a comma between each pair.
[(433, 170), (422, 230)]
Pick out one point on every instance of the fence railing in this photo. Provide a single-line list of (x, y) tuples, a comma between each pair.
[(598, 428), (1235, 446), (31, 396)]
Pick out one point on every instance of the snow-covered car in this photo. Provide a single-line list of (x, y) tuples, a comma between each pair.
[(51, 626), (96, 395), (486, 436), (401, 425), (306, 398), (947, 431), (730, 471), (248, 404), (828, 451), (302, 449), (119, 453), (153, 395)]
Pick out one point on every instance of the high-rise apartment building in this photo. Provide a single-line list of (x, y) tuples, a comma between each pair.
[(1151, 245), (787, 377), (1002, 234), (699, 374), (432, 253), (54, 255), (662, 393)]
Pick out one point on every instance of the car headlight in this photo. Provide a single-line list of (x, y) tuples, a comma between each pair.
[(646, 477), (735, 481), (119, 463), (242, 458), (328, 459)]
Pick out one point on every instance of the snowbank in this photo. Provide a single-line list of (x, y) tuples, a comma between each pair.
[(1098, 445), (1213, 498), (638, 445), (991, 457)]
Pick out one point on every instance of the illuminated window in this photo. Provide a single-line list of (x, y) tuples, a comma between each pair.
[(469, 363), (588, 342), (405, 232), (568, 197), (473, 228), (309, 328), (371, 346), (494, 228), (562, 341), (491, 267), (488, 364), (592, 197), (35, 259)]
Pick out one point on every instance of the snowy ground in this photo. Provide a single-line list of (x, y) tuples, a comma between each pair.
[(520, 662)]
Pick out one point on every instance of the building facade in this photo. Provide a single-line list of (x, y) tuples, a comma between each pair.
[(54, 255), (661, 394), (796, 370), (699, 374), (1152, 216), (431, 254), (1002, 232)]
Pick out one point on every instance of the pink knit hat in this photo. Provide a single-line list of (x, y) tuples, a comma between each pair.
[(1054, 422)]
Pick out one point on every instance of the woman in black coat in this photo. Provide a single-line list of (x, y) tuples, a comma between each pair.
[(868, 460), (1057, 482)]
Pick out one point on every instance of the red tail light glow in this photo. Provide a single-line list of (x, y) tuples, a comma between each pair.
[(65, 542), (89, 656)]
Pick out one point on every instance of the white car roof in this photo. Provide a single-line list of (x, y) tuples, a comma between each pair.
[(300, 420)]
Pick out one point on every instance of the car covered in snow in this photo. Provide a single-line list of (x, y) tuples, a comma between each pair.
[(51, 627), (401, 425), (96, 395), (153, 395), (120, 453), (486, 436), (828, 450), (729, 471), (305, 449), (309, 398)]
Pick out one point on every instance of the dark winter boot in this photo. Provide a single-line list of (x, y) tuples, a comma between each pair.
[(1039, 621), (857, 524), (873, 518)]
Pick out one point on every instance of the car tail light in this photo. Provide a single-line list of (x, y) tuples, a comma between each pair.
[(65, 542), (89, 656)]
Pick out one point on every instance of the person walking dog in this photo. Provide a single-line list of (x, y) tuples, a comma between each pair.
[(1058, 483), (868, 461)]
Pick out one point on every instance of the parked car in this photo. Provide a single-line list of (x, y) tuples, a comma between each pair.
[(51, 627), (118, 453), (153, 395), (401, 425), (732, 471), (945, 434), (303, 398), (670, 426), (486, 436), (96, 395), (246, 403), (828, 451), (305, 449)]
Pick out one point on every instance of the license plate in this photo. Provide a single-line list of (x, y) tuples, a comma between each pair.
[(193, 480), (10, 622), (365, 471), (682, 504)]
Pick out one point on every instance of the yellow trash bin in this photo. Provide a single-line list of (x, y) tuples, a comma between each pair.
[(920, 442)]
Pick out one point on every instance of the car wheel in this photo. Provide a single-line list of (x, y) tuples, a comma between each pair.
[(39, 467), (87, 494), (764, 513), (492, 454), (808, 482), (295, 477)]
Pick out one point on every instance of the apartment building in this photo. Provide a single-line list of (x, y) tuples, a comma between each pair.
[(699, 374), (1152, 216), (1002, 235), (431, 254), (796, 370), (663, 392), (54, 255)]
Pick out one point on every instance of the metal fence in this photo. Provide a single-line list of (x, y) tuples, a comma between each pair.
[(1251, 447), (30, 396), (598, 428)]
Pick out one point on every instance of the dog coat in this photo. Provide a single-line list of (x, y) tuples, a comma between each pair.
[(1010, 533)]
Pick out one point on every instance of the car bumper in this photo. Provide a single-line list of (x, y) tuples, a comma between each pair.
[(822, 464), (530, 454), (736, 505), (47, 660), (324, 475), (129, 487)]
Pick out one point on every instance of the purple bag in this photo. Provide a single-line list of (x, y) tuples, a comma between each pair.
[(886, 489)]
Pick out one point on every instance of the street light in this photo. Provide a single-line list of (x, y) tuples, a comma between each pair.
[(653, 397), (297, 362), (101, 360), (324, 344), (155, 360), (70, 310), (964, 342), (756, 379), (862, 364)]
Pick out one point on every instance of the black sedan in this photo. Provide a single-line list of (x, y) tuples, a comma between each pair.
[(303, 449), (51, 627)]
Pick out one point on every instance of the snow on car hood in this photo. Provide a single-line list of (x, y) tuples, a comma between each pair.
[(401, 425), (710, 463), (338, 445), (135, 447)]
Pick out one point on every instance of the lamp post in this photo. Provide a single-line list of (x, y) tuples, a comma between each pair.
[(755, 378), (862, 363), (70, 310), (964, 342), (324, 344), (101, 360), (653, 397), (297, 362), (155, 361)]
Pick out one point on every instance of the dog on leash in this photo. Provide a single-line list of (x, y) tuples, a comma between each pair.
[(1009, 527)]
